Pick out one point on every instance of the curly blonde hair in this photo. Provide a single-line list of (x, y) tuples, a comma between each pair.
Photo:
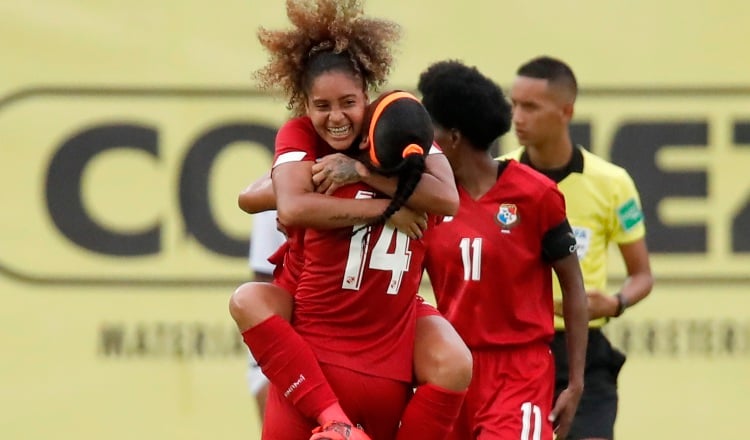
[(335, 27)]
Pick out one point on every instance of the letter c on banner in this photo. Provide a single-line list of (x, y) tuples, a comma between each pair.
[(63, 190)]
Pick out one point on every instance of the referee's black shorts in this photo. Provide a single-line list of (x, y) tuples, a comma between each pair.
[(597, 410)]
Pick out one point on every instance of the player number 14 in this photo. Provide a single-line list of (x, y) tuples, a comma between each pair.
[(380, 258)]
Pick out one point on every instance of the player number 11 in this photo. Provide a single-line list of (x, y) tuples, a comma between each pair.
[(471, 256)]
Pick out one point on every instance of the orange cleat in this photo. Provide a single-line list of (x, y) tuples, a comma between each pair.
[(338, 431)]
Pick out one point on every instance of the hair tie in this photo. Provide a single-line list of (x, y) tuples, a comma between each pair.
[(412, 149), (376, 115)]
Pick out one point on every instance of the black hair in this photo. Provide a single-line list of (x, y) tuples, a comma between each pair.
[(460, 97), (318, 63), (553, 70), (400, 135)]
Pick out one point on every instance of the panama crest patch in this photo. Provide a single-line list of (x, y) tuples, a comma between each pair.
[(507, 216)]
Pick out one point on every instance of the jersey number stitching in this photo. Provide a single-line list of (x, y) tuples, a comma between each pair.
[(397, 262), (471, 256)]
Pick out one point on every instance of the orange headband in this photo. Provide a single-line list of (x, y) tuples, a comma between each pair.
[(411, 148)]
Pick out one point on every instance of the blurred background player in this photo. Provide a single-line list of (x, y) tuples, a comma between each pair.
[(264, 241), (603, 207)]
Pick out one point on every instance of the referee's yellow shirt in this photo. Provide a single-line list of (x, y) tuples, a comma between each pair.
[(603, 207)]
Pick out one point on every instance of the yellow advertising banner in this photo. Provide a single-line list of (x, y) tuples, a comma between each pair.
[(127, 130)]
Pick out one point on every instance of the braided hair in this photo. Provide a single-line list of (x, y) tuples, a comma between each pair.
[(399, 132), (328, 35)]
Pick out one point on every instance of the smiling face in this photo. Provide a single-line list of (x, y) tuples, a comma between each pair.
[(336, 104), (540, 113)]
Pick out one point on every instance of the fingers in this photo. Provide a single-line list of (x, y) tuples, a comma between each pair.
[(332, 187), (561, 418), (423, 223), (319, 176), (416, 231)]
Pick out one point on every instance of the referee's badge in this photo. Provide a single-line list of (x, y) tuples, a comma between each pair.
[(507, 216)]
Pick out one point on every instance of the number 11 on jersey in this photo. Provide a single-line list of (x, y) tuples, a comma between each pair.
[(471, 256)]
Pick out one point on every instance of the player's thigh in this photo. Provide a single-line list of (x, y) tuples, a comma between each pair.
[(282, 421), (440, 355)]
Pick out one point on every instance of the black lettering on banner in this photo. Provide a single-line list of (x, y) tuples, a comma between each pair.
[(64, 196), (175, 340), (741, 222), (194, 184), (682, 338), (635, 148)]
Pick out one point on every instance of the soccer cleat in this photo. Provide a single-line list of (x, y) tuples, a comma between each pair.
[(338, 431)]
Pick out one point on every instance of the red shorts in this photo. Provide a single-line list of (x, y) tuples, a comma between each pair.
[(425, 309), (510, 395), (375, 403), (282, 275)]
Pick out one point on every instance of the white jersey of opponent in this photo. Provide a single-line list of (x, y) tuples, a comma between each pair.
[(264, 241)]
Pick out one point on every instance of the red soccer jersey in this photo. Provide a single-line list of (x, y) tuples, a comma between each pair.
[(296, 141), (355, 301), (486, 264)]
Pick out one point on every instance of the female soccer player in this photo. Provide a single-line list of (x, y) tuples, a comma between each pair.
[(329, 84), (491, 266)]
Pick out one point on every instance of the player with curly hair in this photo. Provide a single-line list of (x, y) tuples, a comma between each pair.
[(327, 69)]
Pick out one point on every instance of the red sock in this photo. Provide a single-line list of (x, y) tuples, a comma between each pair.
[(290, 364), (431, 413)]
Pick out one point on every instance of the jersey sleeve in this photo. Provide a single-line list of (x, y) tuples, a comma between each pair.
[(552, 209), (295, 141), (626, 221), (558, 240)]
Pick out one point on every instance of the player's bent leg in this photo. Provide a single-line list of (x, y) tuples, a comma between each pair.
[(443, 369), (253, 302), (262, 312), (440, 355)]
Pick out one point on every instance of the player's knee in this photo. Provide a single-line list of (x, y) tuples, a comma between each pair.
[(461, 363), (450, 366), (244, 308), (253, 303)]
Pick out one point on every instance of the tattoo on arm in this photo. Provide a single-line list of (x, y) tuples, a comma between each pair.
[(344, 171), (358, 218)]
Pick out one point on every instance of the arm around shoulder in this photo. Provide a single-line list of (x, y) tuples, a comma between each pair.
[(258, 196)]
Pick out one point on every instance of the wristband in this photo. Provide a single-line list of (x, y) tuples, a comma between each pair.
[(622, 304)]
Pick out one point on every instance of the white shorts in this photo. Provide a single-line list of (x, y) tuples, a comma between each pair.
[(256, 380)]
